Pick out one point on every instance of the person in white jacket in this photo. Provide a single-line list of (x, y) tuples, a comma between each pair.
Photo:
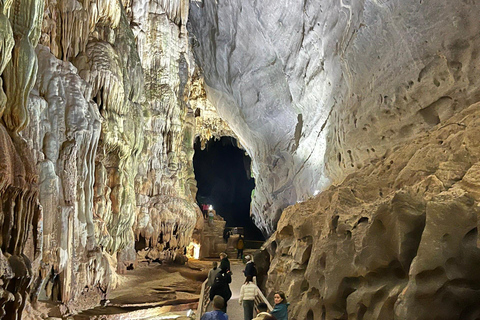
[(247, 297)]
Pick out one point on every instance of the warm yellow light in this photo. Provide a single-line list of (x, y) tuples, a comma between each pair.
[(193, 250)]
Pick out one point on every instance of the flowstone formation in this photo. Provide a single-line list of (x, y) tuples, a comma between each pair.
[(397, 239), (316, 90), (96, 146)]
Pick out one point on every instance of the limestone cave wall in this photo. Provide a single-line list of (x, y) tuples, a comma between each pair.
[(316, 90), (398, 239), (97, 108)]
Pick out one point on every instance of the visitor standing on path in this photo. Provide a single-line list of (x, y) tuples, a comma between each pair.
[(224, 262), (280, 310), (250, 269), (217, 313), (248, 292), (212, 273), (221, 287), (240, 246)]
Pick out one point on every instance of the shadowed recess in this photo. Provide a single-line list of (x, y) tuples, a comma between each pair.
[(222, 171)]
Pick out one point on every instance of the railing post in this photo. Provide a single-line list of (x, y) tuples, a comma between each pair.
[(203, 300)]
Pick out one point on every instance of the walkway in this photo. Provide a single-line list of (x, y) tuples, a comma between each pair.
[(235, 311)]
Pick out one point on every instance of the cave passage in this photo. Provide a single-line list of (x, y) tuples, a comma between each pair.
[(222, 171)]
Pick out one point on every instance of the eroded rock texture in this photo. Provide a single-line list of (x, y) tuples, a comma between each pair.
[(398, 239), (96, 145), (318, 89)]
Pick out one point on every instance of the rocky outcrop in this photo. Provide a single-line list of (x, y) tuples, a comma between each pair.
[(397, 239), (316, 90), (96, 147)]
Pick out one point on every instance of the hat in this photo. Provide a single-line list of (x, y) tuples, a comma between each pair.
[(248, 258)]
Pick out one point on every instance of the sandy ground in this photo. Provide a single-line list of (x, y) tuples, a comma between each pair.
[(154, 289)]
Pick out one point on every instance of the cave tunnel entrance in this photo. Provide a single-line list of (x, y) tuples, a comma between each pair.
[(222, 171)]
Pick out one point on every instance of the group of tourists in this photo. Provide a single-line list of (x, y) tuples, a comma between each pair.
[(219, 279)]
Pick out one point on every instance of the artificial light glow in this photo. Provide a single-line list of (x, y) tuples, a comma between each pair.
[(210, 208), (193, 250)]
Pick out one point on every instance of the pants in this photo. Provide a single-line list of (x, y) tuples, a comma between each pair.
[(239, 253), (248, 309)]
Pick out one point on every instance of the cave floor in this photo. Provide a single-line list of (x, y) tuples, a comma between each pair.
[(150, 291)]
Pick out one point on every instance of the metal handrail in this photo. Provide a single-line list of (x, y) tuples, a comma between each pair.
[(203, 300)]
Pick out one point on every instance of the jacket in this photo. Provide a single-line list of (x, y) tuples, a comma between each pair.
[(214, 315), (248, 292), (211, 276), (250, 269), (280, 311), (224, 264), (261, 315), (220, 286)]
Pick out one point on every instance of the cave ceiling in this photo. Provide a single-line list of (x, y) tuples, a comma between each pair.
[(317, 89)]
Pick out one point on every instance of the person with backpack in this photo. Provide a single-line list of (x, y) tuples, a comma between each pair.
[(221, 287), (240, 246)]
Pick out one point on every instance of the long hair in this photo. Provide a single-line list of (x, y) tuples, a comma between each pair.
[(248, 279), (282, 295)]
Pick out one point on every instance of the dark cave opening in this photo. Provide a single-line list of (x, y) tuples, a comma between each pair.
[(222, 171)]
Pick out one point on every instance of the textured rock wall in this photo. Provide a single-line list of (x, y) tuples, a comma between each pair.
[(398, 239), (318, 89), (96, 145)]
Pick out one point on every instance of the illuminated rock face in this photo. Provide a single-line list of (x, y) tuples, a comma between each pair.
[(100, 103), (398, 239), (96, 143), (316, 90)]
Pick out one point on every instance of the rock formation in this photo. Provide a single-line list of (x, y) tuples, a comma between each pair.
[(397, 239), (371, 102), (96, 145), (316, 90)]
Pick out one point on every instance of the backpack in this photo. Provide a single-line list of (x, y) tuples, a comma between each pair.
[(240, 243)]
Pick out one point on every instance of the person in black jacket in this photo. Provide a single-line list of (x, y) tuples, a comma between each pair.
[(221, 287), (250, 269), (224, 262)]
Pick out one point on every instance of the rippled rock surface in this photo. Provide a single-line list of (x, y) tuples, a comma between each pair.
[(96, 143), (317, 89), (398, 239)]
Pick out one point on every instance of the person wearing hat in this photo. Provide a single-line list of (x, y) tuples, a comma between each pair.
[(250, 269)]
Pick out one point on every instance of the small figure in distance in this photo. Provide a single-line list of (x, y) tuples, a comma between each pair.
[(240, 246), (217, 313)]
